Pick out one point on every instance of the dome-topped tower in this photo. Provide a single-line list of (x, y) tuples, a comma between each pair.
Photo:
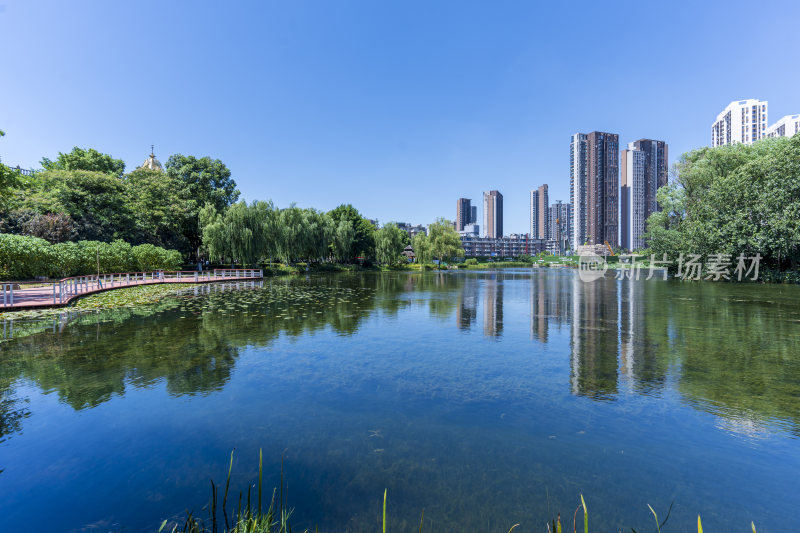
[(151, 163)]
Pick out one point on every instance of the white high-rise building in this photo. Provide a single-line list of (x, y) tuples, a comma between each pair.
[(743, 121), (578, 188), (633, 185), (785, 127)]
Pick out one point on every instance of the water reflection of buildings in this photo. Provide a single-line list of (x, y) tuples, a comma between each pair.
[(638, 356), (550, 303), (607, 320), (467, 310), (493, 307), (595, 339)]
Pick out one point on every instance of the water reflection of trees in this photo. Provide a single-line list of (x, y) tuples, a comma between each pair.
[(190, 342), (726, 348)]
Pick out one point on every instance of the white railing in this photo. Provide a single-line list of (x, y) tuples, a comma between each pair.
[(62, 291)]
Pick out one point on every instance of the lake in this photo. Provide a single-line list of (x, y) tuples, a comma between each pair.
[(488, 398)]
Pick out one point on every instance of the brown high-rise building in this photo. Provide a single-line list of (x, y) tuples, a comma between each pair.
[(493, 214), (540, 223), (602, 188), (463, 213)]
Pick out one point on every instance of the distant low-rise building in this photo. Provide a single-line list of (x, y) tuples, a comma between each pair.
[(411, 230), (470, 229), (514, 245)]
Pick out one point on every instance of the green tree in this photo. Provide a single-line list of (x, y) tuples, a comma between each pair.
[(389, 244), (204, 181), (9, 179), (160, 207), (95, 201), (214, 236), (363, 230), (422, 248), (89, 159), (445, 243), (343, 239), (733, 200)]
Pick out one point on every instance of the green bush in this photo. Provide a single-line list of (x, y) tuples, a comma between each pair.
[(471, 261), (23, 257)]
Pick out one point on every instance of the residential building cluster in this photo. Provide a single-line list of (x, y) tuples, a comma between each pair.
[(746, 121), (612, 191)]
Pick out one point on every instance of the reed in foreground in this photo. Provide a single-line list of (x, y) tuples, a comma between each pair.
[(252, 518), (249, 517)]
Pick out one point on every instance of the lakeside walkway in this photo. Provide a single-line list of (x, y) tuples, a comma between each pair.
[(43, 294)]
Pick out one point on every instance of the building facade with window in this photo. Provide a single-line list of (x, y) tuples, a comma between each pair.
[(493, 214), (643, 171), (594, 188), (742, 121), (785, 127), (514, 245), (539, 219)]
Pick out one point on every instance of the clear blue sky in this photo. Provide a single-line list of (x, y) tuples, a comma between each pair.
[(398, 107)]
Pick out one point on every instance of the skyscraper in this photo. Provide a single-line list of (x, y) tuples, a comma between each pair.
[(539, 214), (644, 171), (493, 214), (463, 213), (577, 187), (594, 188), (744, 121)]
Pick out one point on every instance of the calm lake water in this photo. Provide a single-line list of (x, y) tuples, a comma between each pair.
[(486, 398)]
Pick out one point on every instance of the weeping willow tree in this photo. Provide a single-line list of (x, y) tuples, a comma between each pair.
[(243, 233), (422, 248), (250, 233), (343, 240), (389, 244)]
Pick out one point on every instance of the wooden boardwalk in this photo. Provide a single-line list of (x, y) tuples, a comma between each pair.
[(39, 295)]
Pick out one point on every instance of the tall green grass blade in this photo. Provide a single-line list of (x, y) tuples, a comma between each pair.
[(753, 525), (699, 525), (164, 523), (585, 516), (225, 495), (658, 527), (512, 528), (260, 478), (421, 518), (384, 509)]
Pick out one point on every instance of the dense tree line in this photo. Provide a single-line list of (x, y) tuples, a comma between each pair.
[(259, 231), (86, 195), (733, 200)]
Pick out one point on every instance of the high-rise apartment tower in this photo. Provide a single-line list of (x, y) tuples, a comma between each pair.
[(539, 219), (594, 188), (493, 214), (743, 121)]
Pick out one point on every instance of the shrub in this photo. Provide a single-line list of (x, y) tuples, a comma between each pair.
[(23, 257), (471, 261)]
